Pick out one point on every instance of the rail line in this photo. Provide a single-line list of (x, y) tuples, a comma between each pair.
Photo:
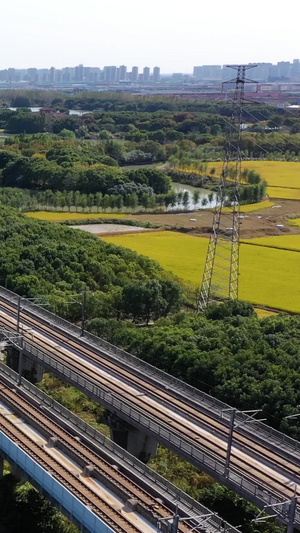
[(189, 411), (67, 478), (254, 460), (37, 416)]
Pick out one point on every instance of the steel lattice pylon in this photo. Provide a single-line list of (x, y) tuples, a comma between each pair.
[(221, 272)]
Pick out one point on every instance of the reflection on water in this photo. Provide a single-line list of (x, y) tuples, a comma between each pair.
[(78, 112), (204, 201)]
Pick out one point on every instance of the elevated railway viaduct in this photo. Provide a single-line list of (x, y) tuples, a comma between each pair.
[(262, 465)]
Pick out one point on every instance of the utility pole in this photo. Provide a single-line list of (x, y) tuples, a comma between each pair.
[(229, 442), (18, 313), (20, 369), (83, 313), (221, 273), (232, 426), (292, 513)]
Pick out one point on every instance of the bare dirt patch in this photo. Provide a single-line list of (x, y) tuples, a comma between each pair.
[(256, 224), (110, 229)]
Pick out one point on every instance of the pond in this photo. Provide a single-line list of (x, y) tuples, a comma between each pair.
[(78, 112), (203, 195)]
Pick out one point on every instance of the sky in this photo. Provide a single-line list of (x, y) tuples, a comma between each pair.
[(173, 34)]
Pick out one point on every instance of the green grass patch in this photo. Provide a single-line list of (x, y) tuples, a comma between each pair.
[(269, 276)]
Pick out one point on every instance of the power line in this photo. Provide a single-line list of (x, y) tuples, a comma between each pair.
[(221, 273)]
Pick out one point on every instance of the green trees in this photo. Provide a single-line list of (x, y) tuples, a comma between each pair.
[(196, 196), (152, 177), (27, 122), (41, 258), (145, 300)]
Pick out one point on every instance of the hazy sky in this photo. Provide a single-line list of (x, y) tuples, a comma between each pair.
[(173, 34)]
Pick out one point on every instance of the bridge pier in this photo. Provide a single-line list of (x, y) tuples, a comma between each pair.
[(30, 370), (131, 439)]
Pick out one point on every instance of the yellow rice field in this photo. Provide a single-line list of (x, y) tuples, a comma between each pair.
[(283, 193), (60, 217), (283, 177), (263, 313), (269, 276), (252, 207), (295, 222), (276, 173), (285, 242)]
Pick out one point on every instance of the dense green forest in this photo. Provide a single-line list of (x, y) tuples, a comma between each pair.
[(38, 258)]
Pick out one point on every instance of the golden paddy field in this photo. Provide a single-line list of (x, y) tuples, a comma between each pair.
[(269, 276), (295, 222), (283, 193), (55, 216), (276, 173), (283, 177), (285, 242), (248, 208)]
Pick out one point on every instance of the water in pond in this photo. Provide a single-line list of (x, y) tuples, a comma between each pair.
[(78, 112), (203, 195)]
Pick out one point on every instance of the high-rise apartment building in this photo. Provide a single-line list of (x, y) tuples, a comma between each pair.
[(208, 72), (66, 74), (58, 76), (156, 74), (79, 73), (295, 69), (134, 74), (146, 74), (261, 72), (52, 75), (32, 74), (122, 73), (110, 73), (284, 69)]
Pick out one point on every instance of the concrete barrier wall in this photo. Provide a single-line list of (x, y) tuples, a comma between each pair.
[(55, 490)]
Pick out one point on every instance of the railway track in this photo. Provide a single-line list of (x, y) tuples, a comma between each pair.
[(255, 461), (38, 417), (67, 479)]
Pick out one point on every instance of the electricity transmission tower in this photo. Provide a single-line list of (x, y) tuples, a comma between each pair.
[(221, 272)]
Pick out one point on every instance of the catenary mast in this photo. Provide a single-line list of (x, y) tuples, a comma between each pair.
[(221, 272)]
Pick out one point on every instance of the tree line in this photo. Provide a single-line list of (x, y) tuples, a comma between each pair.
[(48, 200)]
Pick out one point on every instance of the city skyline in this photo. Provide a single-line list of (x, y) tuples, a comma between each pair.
[(177, 37), (282, 71)]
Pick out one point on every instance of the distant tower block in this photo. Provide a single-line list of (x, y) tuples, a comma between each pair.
[(221, 272)]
